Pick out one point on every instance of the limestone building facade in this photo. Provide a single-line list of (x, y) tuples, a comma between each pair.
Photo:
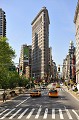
[(40, 43), (76, 21)]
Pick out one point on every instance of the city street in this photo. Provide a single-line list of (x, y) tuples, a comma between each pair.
[(24, 107), (39, 59)]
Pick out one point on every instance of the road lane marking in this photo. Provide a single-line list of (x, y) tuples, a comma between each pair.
[(12, 114), (4, 111), (40, 105), (61, 114), (22, 113), (15, 113), (65, 107), (45, 114), (68, 113), (7, 114), (22, 102), (75, 114), (38, 113), (29, 115), (53, 113)]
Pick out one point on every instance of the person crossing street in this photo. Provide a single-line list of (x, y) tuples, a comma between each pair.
[(4, 96)]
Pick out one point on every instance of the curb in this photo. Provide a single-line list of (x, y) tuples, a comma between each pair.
[(7, 100), (74, 94)]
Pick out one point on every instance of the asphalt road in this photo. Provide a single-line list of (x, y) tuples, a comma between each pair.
[(24, 107)]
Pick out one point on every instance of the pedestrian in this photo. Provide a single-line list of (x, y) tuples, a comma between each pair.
[(4, 96)]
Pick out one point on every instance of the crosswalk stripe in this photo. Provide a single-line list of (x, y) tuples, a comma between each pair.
[(15, 113), (23, 113), (4, 111), (61, 89), (75, 114), (53, 113), (45, 114), (61, 114), (38, 113), (7, 114), (29, 115), (68, 113)]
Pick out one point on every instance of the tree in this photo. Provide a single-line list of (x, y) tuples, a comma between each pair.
[(6, 56), (6, 52), (13, 78), (22, 81)]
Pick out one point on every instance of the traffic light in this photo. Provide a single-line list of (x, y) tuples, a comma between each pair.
[(58, 68)]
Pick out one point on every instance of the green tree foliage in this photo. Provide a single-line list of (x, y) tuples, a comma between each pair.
[(6, 56), (6, 52), (13, 78), (22, 81), (9, 78)]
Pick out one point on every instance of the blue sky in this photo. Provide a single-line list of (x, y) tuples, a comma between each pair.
[(20, 13)]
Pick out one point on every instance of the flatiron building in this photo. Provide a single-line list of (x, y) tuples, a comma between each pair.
[(40, 44)]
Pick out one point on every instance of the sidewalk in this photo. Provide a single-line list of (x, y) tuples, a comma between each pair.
[(74, 94), (9, 98), (1, 101)]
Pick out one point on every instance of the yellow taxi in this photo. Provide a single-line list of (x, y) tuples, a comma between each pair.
[(57, 85), (53, 93), (35, 93)]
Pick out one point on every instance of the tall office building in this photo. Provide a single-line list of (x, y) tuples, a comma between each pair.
[(50, 63), (40, 44), (69, 64), (72, 60), (54, 68), (76, 21), (25, 58), (2, 23)]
